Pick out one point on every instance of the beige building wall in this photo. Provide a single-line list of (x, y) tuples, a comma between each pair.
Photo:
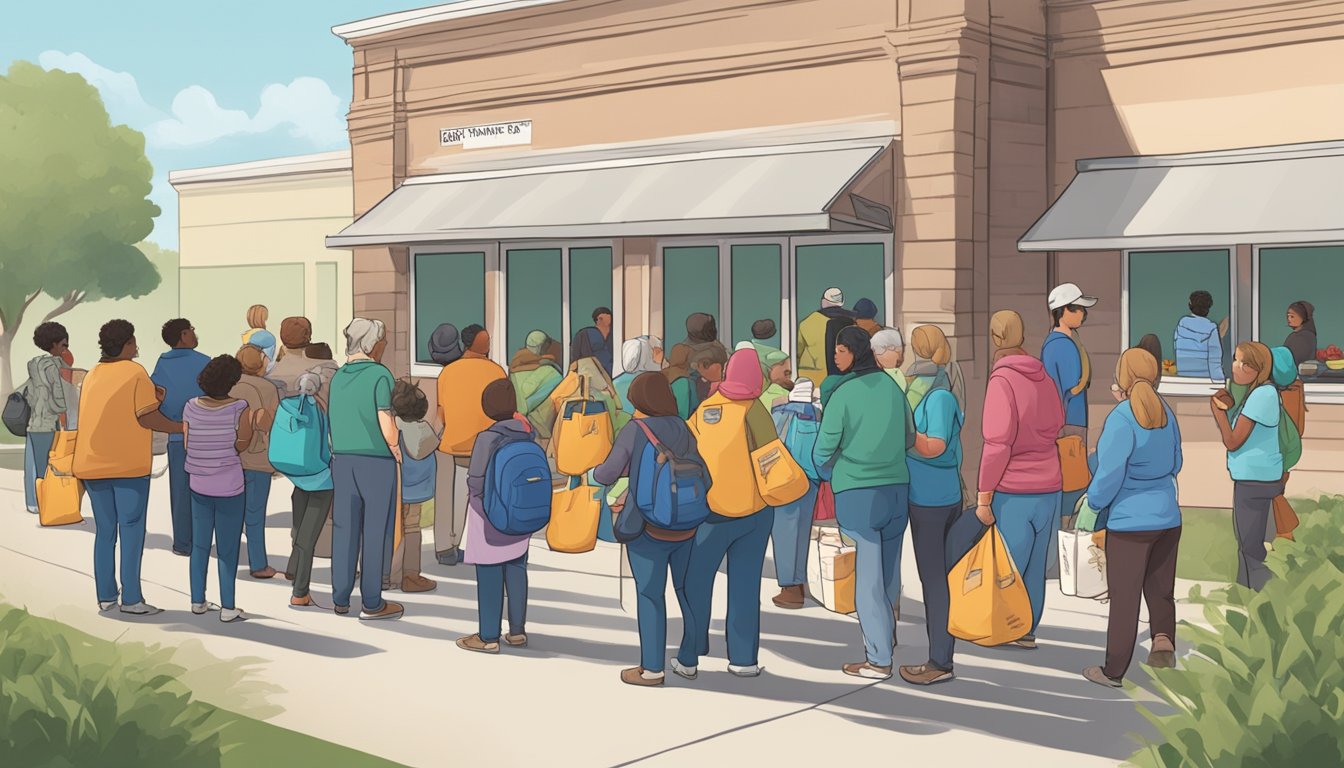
[(254, 234)]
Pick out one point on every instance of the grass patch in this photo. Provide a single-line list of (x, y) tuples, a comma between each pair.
[(258, 743), (7, 438), (1208, 549)]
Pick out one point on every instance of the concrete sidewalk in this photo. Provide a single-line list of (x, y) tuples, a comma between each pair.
[(403, 691)]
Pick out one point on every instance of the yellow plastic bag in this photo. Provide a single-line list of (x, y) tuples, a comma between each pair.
[(574, 517), (989, 603), (583, 433)]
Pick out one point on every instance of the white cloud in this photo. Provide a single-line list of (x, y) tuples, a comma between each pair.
[(306, 107)]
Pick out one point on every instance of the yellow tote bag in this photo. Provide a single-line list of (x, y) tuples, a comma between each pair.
[(1073, 463), (720, 429), (574, 516), (583, 433), (989, 603), (60, 494), (779, 478)]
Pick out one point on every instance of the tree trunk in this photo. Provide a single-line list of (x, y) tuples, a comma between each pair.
[(6, 377)]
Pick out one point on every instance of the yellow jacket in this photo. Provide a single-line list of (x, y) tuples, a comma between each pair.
[(460, 387)]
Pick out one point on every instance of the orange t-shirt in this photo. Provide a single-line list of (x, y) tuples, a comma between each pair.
[(110, 443), (461, 384)]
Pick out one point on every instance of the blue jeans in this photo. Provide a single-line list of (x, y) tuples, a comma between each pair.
[(217, 518), (179, 497), (1027, 523), (931, 528), (790, 537), (119, 507), (876, 518), (491, 583), (36, 449), (256, 493), (650, 560), (361, 514), (743, 541)]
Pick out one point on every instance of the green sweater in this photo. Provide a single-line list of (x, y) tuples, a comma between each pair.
[(864, 434), (683, 390)]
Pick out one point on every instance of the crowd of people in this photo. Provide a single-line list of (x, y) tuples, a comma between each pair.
[(713, 456)]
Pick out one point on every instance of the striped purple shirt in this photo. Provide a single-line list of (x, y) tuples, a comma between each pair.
[(212, 459)]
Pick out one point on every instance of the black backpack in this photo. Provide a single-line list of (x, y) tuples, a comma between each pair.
[(16, 413)]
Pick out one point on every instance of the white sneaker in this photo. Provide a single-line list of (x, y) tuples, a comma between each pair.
[(754, 670), (201, 608), (229, 615), (106, 605), (689, 673), (141, 609)]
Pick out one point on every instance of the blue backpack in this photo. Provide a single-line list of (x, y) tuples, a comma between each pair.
[(798, 427), (518, 489), (671, 492), (299, 446)]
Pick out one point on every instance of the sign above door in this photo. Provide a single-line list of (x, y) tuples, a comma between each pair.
[(484, 136)]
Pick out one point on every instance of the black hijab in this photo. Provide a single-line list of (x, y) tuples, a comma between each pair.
[(858, 342)]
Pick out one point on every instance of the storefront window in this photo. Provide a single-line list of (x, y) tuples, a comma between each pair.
[(589, 288), (448, 288), (757, 282), (1162, 285), (1311, 274), (534, 301), (857, 269), (690, 285)]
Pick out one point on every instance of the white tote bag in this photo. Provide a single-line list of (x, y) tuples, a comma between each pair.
[(1082, 566)]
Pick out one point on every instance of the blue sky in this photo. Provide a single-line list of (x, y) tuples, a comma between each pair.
[(208, 83)]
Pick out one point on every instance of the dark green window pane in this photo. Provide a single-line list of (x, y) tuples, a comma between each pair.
[(449, 288), (690, 285), (857, 269), (589, 288), (757, 285), (1311, 274), (534, 295), (1160, 284)]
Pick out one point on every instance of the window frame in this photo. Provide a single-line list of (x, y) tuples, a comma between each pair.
[(1323, 393), (1182, 385), (724, 245)]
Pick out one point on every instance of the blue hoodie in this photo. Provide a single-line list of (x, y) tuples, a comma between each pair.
[(1064, 364), (1199, 348)]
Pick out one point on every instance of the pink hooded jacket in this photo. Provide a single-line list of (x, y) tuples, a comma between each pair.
[(1022, 419)]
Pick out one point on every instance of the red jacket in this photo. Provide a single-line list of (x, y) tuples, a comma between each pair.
[(1022, 419)]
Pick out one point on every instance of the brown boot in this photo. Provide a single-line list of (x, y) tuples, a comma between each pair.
[(414, 582), (790, 598), (1163, 653)]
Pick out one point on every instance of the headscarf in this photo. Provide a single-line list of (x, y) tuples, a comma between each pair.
[(678, 363), (537, 342), (859, 343), (445, 344), (637, 356), (934, 361), (652, 395), (1008, 333), (1136, 373), (742, 378)]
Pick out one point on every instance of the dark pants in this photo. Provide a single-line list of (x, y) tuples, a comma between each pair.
[(1138, 564), (1252, 507), (310, 510), (931, 529), (362, 522), (218, 519), (256, 495), (650, 560), (492, 581), (179, 497), (742, 540)]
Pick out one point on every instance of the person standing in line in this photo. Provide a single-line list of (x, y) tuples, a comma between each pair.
[(889, 349), (1066, 362), (535, 372), (263, 399), (678, 375), (725, 425), (365, 450), (816, 341), (500, 559), (256, 333), (461, 384), (47, 405), (797, 421), (1138, 458), (419, 442), (216, 428), (1020, 476), (1250, 433), (864, 439), (935, 494), (319, 354), (707, 371), (639, 355), (313, 488), (1301, 339), (177, 372), (296, 334), (763, 333), (1198, 342), (702, 336), (119, 408), (594, 340), (778, 382), (865, 316), (653, 551)]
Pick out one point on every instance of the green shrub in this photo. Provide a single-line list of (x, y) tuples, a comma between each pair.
[(67, 699), (1265, 686)]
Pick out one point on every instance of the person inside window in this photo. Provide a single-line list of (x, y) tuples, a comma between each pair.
[(1198, 341), (1302, 340)]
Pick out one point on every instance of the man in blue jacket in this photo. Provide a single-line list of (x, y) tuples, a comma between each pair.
[(176, 372), (1198, 341), (1067, 364)]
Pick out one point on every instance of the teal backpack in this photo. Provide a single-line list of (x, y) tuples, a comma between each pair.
[(1282, 376)]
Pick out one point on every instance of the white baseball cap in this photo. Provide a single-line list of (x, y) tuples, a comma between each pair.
[(834, 296), (1070, 294)]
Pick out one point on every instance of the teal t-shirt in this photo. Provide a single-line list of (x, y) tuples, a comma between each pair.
[(1259, 458), (359, 390), (936, 482)]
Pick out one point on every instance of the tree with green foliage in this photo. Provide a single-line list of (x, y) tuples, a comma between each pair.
[(75, 191)]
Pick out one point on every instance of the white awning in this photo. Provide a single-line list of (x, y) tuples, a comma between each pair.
[(735, 191), (1286, 194)]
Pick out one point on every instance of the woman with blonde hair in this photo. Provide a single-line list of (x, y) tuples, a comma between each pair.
[(1138, 458), (1020, 478), (256, 333), (1250, 431)]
